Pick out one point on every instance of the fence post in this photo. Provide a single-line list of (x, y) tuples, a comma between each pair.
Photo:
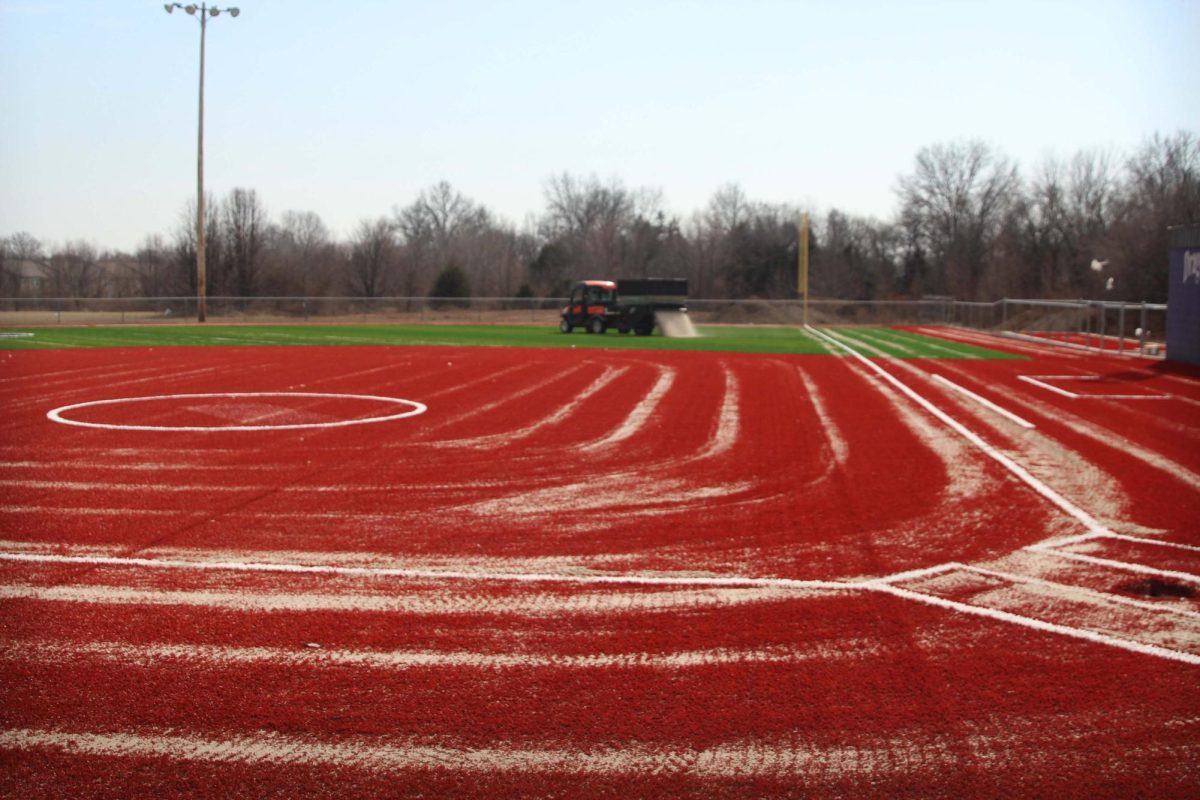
[(1121, 327), (1142, 328)]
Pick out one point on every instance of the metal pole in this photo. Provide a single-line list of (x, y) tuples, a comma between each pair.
[(802, 265), (201, 277)]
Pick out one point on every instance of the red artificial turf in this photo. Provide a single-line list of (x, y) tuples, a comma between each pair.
[(148, 676)]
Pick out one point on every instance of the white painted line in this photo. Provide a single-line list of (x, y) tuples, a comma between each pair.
[(1108, 562), (415, 409), (1090, 522), (1040, 625), (1048, 387), (641, 413), (433, 574), (1069, 589), (388, 755), (917, 573), (151, 654), (983, 401), (1040, 380), (883, 585)]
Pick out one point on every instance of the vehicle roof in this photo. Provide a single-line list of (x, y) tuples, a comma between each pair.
[(601, 284)]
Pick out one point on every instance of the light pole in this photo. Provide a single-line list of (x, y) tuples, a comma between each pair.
[(204, 12)]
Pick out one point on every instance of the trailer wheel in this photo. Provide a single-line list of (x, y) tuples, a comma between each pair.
[(565, 325), (644, 330), (597, 325)]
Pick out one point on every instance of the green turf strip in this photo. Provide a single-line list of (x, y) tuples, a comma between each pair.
[(906, 344), (759, 339)]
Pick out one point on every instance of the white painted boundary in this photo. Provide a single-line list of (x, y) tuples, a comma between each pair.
[(883, 585), (1042, 625), (1086, 519), (57, 414), (1040, 381), (1109, 562), (983, 401)]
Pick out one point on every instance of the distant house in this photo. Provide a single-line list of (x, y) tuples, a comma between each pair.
[(28, 279)]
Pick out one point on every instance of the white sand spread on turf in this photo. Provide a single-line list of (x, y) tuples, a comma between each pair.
[(676, 324)]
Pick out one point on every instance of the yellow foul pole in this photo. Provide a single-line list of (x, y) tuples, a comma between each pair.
[(802, 266)]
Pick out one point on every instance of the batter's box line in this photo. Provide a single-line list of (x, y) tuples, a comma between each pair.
[(1111, 563), (1014, 577), (1041, 625), (1040, 381)]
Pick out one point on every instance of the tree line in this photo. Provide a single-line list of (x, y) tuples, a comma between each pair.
[(970, 224)]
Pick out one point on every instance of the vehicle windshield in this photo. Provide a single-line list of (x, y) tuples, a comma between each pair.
[(596, 294)]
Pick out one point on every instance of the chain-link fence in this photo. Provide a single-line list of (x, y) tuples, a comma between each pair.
[(1081, 323)]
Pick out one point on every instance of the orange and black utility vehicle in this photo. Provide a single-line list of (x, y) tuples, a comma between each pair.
[(628, 304)]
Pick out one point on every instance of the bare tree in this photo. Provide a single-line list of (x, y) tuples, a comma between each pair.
[(305, 253), (440, 228), (72, 271), (244, 221), (373, 253), (183, 257), (1162, 190), (152, 270), (954, 204)]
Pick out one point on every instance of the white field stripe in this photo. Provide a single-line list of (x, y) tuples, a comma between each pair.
[(866, 335), (983, 401), (1040, 380), (728, 421), (839, 449), (940, 348), (107, 486), (840, 339), (732, 581), (1087, 537), (1108, 562), (989, 341), (150, 466), (732, 760), (441, 602), (1039, 625), (1112, 439), (1012, 466), (486, 564), (558, 415), (1072, 591), (1047, 386), (398, 660), (511, 397), (640, 414)]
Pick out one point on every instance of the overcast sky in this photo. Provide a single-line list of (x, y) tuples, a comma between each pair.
[(349, 109)]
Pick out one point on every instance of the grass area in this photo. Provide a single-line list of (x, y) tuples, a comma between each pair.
[(759, 339)]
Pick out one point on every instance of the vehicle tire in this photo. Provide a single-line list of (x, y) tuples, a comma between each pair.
[(565, 325), (597, 326)]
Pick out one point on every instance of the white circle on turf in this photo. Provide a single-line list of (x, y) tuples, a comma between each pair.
[(413, 409)]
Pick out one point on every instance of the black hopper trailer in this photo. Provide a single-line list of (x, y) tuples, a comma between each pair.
[(629, 304)]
